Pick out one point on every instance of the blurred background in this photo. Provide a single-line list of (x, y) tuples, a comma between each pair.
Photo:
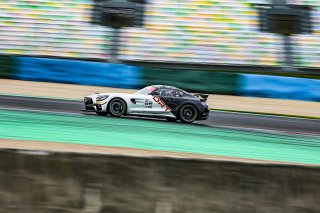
[(133, 43)]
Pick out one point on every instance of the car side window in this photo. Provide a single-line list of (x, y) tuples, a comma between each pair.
[(166, 92), (179, 93)]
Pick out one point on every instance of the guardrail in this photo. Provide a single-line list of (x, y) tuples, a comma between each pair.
[(126, 76)]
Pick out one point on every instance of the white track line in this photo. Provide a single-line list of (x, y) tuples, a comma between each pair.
[(35, 110)]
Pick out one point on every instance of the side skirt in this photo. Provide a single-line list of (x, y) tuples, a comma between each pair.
[(151, 115)]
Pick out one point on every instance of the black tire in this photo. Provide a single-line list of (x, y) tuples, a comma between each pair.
[(188, 113), (117, 107), (102, 113), (171, 119)]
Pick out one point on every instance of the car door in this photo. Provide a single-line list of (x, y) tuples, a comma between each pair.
[(154, 104), (150, 105)]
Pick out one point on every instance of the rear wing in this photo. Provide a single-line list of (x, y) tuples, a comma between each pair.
[(202, 97)]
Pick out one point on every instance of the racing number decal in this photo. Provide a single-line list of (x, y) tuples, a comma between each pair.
[(148, 103), (161, 103)]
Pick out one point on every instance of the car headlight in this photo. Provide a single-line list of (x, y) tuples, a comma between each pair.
[(102, 97)]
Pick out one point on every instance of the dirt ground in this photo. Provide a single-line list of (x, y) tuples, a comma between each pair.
[(225, 102)]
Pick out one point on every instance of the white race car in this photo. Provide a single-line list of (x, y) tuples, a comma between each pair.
[(152, 101)]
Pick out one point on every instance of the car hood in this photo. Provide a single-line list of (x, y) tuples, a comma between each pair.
[(95, 95)]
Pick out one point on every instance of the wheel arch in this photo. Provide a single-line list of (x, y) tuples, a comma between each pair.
[(184, 104), (187, 103), (123, 99)]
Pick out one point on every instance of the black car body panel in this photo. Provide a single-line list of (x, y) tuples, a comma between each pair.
[(175, 98)]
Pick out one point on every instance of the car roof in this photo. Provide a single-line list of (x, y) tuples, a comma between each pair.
[(169, 87), (164, 87)]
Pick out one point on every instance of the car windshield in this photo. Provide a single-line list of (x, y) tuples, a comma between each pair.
[(146, 91)]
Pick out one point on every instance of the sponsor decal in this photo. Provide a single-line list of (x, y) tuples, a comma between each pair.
[(161, 103), (148, 103), (151, 89)]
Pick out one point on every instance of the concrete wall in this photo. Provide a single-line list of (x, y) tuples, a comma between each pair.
[(116, 184)]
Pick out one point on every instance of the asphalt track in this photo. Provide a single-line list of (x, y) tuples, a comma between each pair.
[(217, 119)]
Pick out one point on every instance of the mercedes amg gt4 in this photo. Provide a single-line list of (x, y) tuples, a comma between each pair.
[(153, 101)]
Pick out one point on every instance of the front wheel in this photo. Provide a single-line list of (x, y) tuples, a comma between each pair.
[(188, 113), (117, 107)]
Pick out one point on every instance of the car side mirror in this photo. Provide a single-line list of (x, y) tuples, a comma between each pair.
[(156, 93)]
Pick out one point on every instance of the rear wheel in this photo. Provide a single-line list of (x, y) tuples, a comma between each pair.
[(117, 107), (188, 113)]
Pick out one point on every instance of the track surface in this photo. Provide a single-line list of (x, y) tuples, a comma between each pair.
[(217, 118)]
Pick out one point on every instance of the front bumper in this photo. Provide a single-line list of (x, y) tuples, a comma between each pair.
[(94, 108)]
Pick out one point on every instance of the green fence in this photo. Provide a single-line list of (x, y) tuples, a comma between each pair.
[(7, 66), (192, 80), (136, 77)]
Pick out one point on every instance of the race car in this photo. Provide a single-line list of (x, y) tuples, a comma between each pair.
[(153, 101)]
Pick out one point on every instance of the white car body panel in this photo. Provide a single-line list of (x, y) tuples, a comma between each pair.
[(144, 104)]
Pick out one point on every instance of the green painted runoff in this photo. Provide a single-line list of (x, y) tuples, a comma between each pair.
[(157, 135)]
